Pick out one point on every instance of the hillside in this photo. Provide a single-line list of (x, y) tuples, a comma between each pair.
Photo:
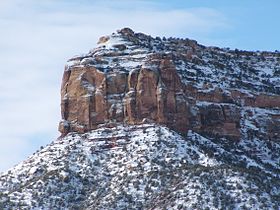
[(145, 166)]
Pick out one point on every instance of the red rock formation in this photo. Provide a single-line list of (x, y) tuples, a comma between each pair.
[(91, 97), (125, 80)]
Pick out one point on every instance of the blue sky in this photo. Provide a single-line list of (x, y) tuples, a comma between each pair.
[(37, 37)]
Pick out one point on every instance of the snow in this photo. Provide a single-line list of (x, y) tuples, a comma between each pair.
[(250, 125), (131, 159), (111, 42), (131, 64), (33, 170)]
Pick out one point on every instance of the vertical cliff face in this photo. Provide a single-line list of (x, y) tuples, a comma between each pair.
[(92, 97), (133, 78)]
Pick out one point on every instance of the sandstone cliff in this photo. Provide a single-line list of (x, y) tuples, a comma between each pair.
[(132, 78)]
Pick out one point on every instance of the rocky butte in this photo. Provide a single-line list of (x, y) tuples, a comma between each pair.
[(156, 123), (131, 78)]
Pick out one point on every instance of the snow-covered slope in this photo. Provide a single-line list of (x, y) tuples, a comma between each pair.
[(144, 167)]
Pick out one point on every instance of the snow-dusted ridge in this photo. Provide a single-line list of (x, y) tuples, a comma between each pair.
[(145, 166), (217, 67)]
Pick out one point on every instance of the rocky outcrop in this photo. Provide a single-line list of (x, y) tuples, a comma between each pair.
[(219, 120), (131, 78), (92, 97)]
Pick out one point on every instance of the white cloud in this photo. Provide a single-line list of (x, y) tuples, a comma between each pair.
[(37, 38), (11, 151)]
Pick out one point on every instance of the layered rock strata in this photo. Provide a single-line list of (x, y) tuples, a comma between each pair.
[(132, 78), (92, 97)]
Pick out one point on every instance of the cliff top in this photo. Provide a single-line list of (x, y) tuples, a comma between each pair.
[(126, 50)]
